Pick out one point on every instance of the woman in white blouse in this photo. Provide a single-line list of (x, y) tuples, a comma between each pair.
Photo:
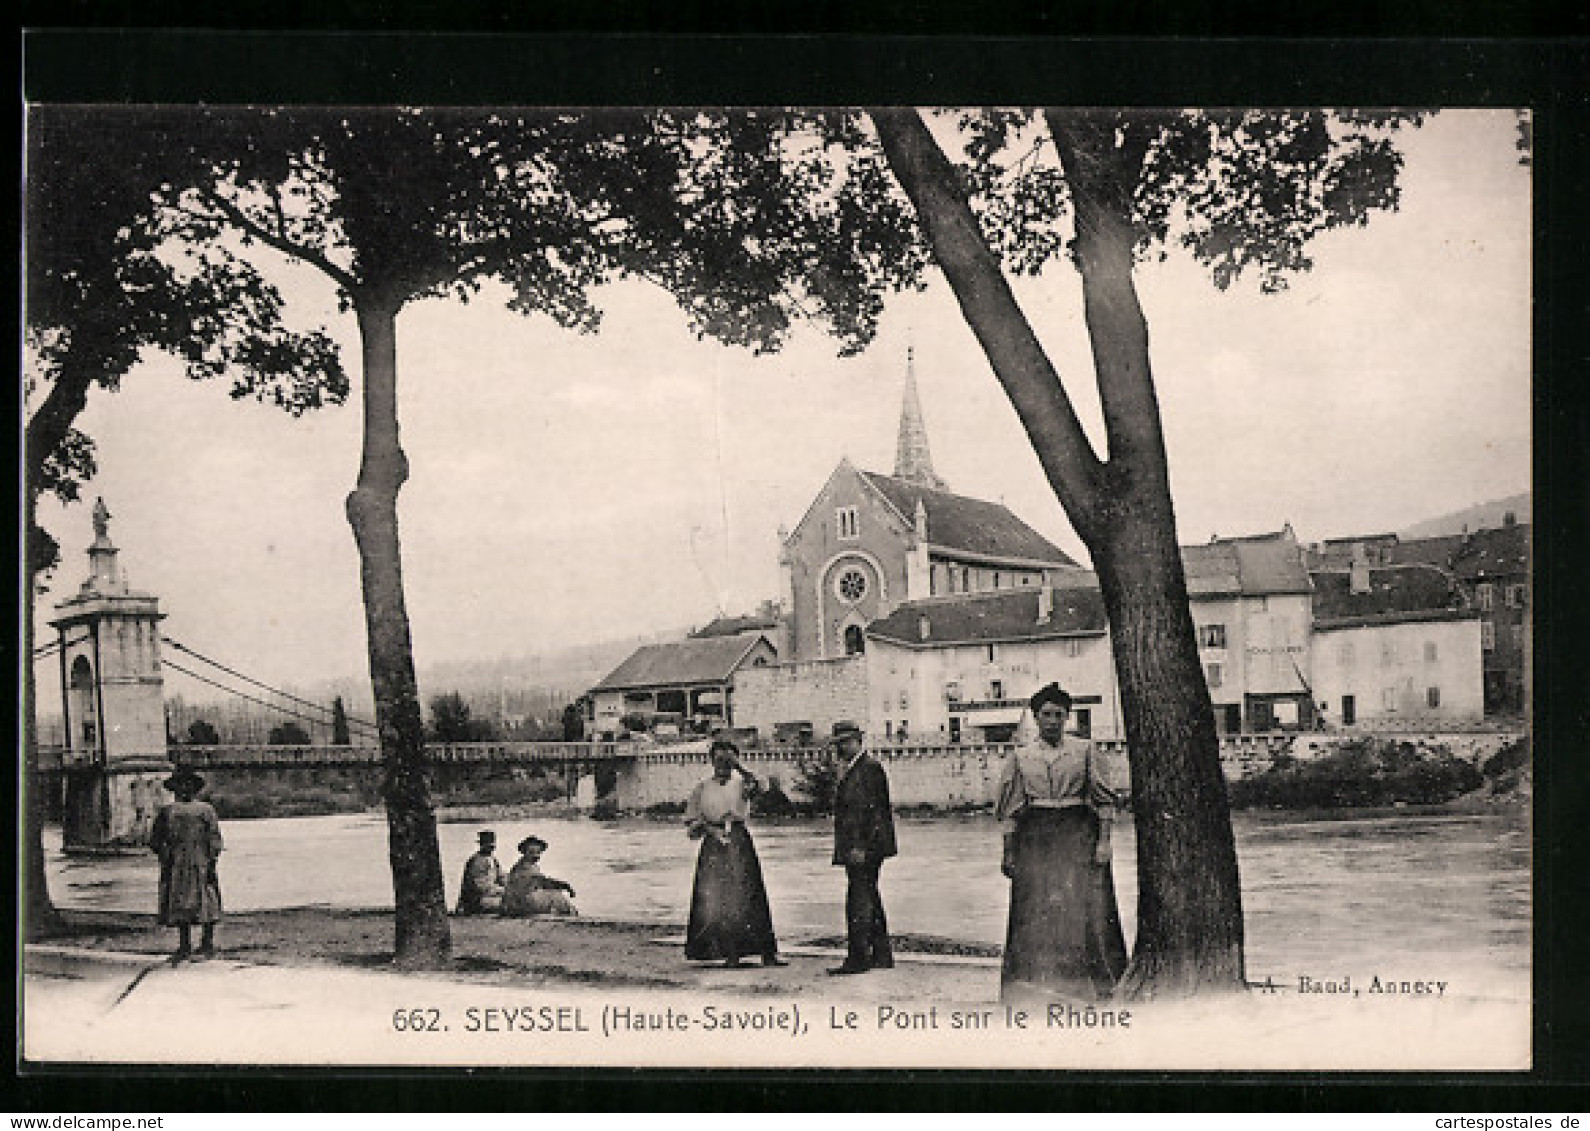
[(729, 914), (1064, 936)]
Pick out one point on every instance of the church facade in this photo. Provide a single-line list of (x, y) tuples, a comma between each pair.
[(870, 542)]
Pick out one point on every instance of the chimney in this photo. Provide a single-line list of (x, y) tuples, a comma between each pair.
[(1509, 519), (924, 627), (1045, 603), (1359, 570)]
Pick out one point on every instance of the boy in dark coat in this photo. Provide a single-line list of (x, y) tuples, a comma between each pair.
[(863, 840)]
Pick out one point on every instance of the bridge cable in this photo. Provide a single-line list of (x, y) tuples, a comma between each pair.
[(273, 690), (255, 699)]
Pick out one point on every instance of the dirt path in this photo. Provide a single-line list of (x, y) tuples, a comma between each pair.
[(551, 952)]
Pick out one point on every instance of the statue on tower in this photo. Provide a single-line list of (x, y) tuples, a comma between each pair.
[(101, 519)]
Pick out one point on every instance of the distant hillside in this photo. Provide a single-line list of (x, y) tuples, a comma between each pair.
[(570, 670), (1481, 517)]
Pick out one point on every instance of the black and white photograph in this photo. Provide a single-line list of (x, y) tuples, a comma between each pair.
[(968, 586)]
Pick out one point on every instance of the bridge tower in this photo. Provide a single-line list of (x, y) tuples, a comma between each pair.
[(113, 705)]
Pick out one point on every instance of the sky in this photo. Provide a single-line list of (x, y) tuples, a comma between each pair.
[(566, 489)]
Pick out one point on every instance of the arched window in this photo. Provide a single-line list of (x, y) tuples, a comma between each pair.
[(855, 640), (81, 705)]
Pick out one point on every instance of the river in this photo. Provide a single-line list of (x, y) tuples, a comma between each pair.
[(1443, 896)]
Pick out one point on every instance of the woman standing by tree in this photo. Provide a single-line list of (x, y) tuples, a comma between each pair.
[(1064, 934), (729, 913)]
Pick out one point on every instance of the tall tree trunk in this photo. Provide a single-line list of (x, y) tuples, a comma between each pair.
[(40, 919), (1189, 899), (47, 429), (1189, 934), (1189, 906), (423, 936)]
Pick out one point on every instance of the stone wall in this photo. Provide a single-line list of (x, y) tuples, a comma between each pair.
[(946, 777), (820, 692)]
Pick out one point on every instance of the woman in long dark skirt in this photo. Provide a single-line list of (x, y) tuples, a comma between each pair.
[(729, 914), (187, 838), (1064, 937)]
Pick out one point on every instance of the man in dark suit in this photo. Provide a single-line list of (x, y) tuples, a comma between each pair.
[(863, 840)]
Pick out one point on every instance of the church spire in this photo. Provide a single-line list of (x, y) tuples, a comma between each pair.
[(912, 460)]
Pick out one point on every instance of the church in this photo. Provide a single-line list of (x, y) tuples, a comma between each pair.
[(870, 542), (867, 545)]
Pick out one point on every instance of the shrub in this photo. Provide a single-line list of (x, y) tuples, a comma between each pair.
[(819, 781), (1357, 774), (772, 801), (1513, 756)]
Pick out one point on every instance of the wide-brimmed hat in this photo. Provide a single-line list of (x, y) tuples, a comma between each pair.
[(486, 835), (530, 842), (184, 778), (846, 729)]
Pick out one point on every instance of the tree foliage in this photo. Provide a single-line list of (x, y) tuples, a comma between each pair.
[(288, 734), (1243, 192), (453, 721), (100, 292), (1366, 772), (339, 723), (202, 733)]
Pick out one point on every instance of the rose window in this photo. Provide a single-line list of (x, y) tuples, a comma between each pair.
[(852, 585)]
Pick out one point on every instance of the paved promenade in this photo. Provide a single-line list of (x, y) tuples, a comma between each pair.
[(556, 993)]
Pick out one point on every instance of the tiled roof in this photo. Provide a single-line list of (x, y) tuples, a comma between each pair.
[(734, 626), (1257, 566), (974, 526), (1212, 570), (1427, 551), (1418, 616), (711, 659), (1499, 552), (1405, 592), (1010, 614)]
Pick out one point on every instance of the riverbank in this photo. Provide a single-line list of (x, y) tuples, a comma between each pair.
[(540, 952)]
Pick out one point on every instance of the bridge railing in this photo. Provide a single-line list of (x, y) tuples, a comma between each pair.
[(217, 757)]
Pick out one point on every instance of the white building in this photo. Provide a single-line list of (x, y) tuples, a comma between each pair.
[(1251, 605), (1395, 645), (961, 668), (683, 684)]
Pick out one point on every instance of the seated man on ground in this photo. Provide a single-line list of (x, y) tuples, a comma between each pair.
[(528, 892), (481, 890)]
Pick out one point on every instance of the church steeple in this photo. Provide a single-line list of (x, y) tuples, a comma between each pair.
[(913, 462)]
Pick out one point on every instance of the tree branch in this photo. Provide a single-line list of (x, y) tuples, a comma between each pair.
[(50, 423), (1101, 196), (281, 242), (991, 310)]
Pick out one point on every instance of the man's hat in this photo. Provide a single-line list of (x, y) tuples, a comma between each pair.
[(530, 842), (846, 729), (486, 836), (1050, 693), (185, 778)]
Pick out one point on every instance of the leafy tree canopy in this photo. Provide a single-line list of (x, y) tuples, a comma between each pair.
[(288, 734), (1240, 190), (100, 291), (753, 220)]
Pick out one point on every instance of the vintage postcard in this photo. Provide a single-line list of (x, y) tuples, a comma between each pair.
[(815, 586)]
